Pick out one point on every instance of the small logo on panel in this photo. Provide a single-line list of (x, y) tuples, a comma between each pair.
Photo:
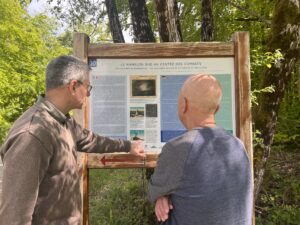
[(93, 62)]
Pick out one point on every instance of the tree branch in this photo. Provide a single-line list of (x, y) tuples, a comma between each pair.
[(249, 12)]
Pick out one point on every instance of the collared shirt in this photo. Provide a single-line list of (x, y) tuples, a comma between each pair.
[(41, 179), (53, 111)]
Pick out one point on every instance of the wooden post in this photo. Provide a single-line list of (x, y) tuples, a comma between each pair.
[(243, 89), (80, 47)]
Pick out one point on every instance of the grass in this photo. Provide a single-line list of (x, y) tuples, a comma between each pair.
[(118, 197)]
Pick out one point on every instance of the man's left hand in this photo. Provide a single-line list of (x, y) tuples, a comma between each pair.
[(137, 148), (163, 205)]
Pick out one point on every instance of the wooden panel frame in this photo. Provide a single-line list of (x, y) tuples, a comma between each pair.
[(237, 48), (162, 50), (80, 50)]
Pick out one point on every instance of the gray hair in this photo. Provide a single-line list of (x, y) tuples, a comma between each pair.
[(61, 70)]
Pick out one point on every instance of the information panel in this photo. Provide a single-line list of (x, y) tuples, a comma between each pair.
[(136, 99)]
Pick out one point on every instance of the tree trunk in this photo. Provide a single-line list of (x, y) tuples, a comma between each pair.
[(168, 21), (142, 31), (285, 35), (114, 23), (298, 73), (207, 25)]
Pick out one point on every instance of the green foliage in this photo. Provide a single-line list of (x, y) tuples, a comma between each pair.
[(261, 60), (124, 13), (27, 44), (190, 19), (83, 16), (264, 90), (240, 15), (288, 131), (279, 202), (97, 34), (257, 140), (264, 59), (25, 3), (118, 197)]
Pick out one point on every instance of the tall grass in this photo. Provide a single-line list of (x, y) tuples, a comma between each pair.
[(118, 197)]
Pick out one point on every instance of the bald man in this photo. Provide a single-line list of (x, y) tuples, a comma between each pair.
[(202, 177)]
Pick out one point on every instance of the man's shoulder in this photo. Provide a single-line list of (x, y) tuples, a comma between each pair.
[(35, 124), (183, 141), (35, 121)]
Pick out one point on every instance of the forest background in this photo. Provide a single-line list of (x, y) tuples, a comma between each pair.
[(28, 43)]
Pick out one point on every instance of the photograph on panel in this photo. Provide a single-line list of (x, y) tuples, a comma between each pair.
[(143, 86)]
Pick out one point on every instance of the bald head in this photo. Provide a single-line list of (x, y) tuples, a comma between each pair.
[(203, 92)]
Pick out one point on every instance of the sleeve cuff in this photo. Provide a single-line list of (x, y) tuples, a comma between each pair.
[(127, 146)]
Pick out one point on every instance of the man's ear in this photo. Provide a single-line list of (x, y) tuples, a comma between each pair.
[(185, 105), (217, 109), (72, 86)]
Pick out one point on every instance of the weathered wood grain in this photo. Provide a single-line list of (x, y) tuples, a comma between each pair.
[(161, 50), (242, 95), (80, 50), (121, 160)]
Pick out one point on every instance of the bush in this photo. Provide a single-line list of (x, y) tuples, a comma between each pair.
[(279, 201)]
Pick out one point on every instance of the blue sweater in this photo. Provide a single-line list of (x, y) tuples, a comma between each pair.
[(207, 174)]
